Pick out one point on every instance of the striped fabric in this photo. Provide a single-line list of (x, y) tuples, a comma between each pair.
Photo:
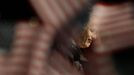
[(40, 50), (30, 51), (114, 25), (2, 62), (19, 58), (57, 12), (100, 64), (54, 15), (32, 42)]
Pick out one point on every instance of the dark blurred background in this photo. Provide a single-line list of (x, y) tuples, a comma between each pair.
[(15, 9)]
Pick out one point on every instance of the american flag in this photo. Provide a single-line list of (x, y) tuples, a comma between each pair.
[(54, 14), (31, 52), (114, 30), (32, 40), (20, 54), (113, 25)]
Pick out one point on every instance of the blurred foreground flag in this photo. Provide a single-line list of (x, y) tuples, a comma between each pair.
[(114, 26), (58, 11)]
